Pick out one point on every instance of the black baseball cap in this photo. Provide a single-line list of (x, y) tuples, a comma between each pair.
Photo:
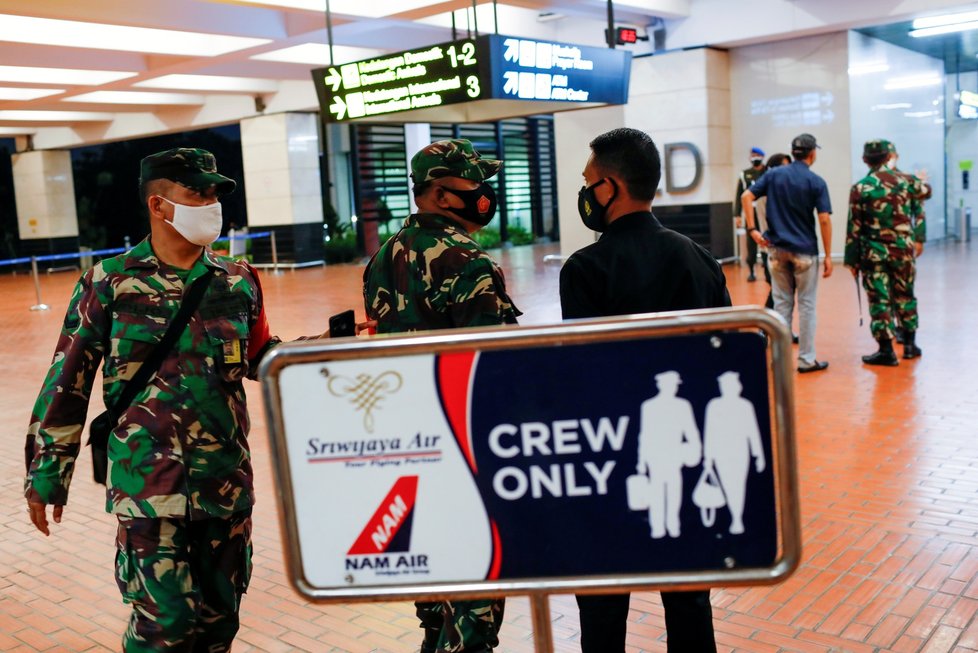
[(804, 142)]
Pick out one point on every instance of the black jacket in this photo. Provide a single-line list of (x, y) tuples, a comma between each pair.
[(639, 266)]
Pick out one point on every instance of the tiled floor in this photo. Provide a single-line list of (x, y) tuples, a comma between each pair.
[(888, 468)]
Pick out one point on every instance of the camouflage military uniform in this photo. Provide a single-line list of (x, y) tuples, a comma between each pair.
[(433, 275), (747, 177), (880, 244), (179, 454)]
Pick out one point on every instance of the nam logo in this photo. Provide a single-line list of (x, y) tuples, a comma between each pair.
[(365, 392), (389, 531)]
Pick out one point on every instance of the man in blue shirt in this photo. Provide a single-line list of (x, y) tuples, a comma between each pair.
[(794, 195)]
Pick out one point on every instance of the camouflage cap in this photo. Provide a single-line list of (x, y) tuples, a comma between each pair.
[(877, 147), (191, 167), (452, 158)]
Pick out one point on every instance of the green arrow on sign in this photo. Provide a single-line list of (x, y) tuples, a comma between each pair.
[(338, 107), (334, 79)]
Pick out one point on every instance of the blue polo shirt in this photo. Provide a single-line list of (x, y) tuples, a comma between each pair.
[(794, 195)]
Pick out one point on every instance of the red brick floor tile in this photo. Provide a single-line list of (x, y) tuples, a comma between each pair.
[(890, 525)]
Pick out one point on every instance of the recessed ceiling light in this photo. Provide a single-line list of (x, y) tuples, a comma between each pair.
[(366, 8), (943, 29), (136, 97), (912, 81), (12, 93), (78, 34), (71, 76), (316, 54), (945, 19), (868, 68), (945, 24), (55, 116), (211, 83)]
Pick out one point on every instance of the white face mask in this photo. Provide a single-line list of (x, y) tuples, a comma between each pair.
[(201, 225)]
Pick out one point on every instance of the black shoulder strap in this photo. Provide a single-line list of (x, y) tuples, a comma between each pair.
[(191, 300)]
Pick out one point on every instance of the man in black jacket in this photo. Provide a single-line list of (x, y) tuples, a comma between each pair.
[(637, 266)]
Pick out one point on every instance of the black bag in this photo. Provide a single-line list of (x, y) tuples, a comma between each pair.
[(102, 426), (98, 440)]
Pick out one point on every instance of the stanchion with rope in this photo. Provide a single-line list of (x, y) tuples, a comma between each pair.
[(275, 269), (39, 306)]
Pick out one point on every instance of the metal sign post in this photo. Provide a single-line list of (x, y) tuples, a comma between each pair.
[(650, 452)]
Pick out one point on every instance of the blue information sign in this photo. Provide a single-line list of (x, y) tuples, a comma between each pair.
[(523, 69)]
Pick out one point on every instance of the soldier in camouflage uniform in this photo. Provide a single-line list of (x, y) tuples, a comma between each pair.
[(880, 243), (744, 181), (917, 215), (179, 476), (433, 275)]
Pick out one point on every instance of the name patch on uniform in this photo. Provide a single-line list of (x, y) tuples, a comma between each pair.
[(232, 351)]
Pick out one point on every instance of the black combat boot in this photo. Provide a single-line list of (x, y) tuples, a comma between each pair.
[(751, 277), (910, 348), (885, 355)]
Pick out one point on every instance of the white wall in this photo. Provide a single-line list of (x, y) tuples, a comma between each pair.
[(674, 97), (962, 145), (785, 88), (911, 118), (742, 22), (281, 167)]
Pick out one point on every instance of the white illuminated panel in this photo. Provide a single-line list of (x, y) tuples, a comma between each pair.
[(16, 93), (55, 116), (366, 8), (315, 54), (136, 97), (72, 76), (77, 34), (211, 83)]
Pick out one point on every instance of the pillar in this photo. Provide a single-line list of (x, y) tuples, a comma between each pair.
[(682, 100), (283, 186)]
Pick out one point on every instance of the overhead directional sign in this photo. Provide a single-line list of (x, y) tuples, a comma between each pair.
[(542, 70), (469, 70), (417, 79)]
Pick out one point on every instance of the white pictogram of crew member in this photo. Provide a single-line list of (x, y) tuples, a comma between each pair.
[(731, 438), (668, 441)]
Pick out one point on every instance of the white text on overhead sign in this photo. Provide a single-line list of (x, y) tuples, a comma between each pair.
[(562, 437), (533, 54)]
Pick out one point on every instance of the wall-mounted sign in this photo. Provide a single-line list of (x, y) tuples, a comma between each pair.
[(661, 464), (489, 67)]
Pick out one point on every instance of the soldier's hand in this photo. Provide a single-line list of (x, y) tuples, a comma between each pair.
[(370, 326), (918, 249), (855, 271), (827, 272), (39, 517)]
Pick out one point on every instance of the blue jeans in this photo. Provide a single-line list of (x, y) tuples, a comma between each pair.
[(796, 273)]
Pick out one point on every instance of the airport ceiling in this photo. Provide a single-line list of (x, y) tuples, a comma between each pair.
[(958, 50), (74, 73), (84, 65)]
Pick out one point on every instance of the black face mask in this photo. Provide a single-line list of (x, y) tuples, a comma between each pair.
[(593, 212), (756, 162), (480, 204)]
